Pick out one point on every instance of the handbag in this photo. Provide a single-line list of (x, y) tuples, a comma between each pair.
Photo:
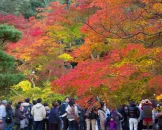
[(76, 118)]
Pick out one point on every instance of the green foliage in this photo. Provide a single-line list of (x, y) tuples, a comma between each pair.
[(8, 73), (25, 89), (29, 9), (9, 33), (25, 7)]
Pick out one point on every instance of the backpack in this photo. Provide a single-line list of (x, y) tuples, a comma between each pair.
[(8, 118), (27, 111), (147, 111), (63, 108)]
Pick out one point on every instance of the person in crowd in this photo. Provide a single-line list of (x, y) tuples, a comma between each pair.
[(158, 117), (82, 123), (64, 114), (9, 117), (59, 102), (3, 113), (124, 113), (108, 116), (133, 114), (46, 119), (39, 113), (34, 102), (159, 107), (91, 117), (102, 116), (112, 124), (117, 117), (147, 115), (1, 118), (140, 119), (18, 117), (72, 115), (54, 118), (59, 106), (27, 112)]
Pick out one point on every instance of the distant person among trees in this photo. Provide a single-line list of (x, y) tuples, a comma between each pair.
[(18, 117), (147, 114), (133, 114), (27, 112), (39, 113), (3, 113), (54, 117), (91, 117), (46, 119), (72, 115), (64, 114), (102, 116)]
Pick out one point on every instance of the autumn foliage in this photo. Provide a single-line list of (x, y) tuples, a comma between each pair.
[(115, 43)]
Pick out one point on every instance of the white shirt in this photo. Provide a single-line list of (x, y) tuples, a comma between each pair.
[(102, 115), (2, 112), (68, 110)]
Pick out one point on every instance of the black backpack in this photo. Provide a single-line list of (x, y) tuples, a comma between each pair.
[(8, 118)]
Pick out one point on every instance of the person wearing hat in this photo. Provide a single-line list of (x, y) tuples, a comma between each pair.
[(147, 110), (3, 112)]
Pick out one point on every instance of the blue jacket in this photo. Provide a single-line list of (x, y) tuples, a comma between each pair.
[(54, 116)]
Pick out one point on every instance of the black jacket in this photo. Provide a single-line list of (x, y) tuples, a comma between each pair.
[(133, 111), (92, 115), (18, 116), (54, 116)]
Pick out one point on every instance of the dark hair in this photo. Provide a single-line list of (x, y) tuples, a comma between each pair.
[(59, 102), (39, 100), (54, 104), (45, 104), (102, 104), (8, 108), (132, 103), (20, 102), (67, 98), (71, 102), (18, 106), (34, 102), (27, 100), (10, 103)]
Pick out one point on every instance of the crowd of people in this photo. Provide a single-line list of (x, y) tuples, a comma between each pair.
[(68, 115)]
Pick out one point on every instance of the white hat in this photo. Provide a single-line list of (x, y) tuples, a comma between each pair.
[(4, 102)]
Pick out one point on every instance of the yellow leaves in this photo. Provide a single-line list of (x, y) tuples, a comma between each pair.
[(39, 68), (65, 57), (157, 7), (24, 85), (145, 64), (159, 97)]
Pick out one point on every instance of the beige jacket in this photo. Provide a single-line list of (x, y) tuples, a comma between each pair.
[(38, 111)]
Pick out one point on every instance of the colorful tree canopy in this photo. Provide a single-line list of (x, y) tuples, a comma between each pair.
[(105, 48), (121, 72)]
